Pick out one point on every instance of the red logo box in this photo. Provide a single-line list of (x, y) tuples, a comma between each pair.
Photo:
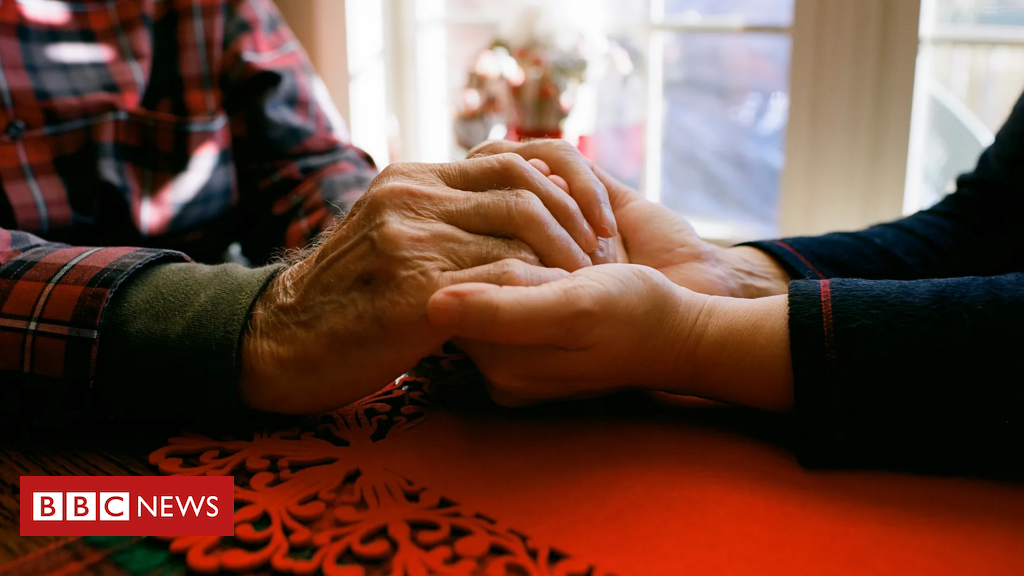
[(127, 506)]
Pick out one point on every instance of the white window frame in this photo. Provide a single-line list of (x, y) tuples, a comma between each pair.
[(851, 95)]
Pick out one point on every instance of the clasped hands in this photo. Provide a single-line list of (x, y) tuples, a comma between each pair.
[(559, 281)]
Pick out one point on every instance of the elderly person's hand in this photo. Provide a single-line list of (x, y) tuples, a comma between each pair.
[(572, 173), (351, 316), (618, 326)]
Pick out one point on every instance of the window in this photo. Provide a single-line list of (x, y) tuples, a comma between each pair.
[(721, 90), (752, 118), (970, 72), (714, 73)]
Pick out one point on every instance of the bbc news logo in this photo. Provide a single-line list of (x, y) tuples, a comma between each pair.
[(114, 506), (127, 506)]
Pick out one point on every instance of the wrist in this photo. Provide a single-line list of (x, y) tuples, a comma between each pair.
[(674, 365), (753, 273), (263, 353), (742, 355)]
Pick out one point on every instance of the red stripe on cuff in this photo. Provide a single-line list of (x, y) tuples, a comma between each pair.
[(800, 257), (826, 317)]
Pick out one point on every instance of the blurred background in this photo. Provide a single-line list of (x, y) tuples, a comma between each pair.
[(752, 118)]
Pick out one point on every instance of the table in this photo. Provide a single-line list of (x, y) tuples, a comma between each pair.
[(425, 478)]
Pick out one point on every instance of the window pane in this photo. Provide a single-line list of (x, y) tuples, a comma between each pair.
[(725, 98), (965, 91), (751, 12), (726, 109), (987, 80)]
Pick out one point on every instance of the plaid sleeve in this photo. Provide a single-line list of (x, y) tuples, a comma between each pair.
[(52, 299), (295, 172)]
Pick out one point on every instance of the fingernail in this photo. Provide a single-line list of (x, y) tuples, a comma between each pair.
[(443, 310), (608, 221)]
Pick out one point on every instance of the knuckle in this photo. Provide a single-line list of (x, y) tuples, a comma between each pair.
[(391, 237), (526, 255), (523, 208), (527, 203), (513, 162), (489, 148), (397, 193), (415, 193), (374, 200), (565, 146), (406, 167), (383, 199), (511, 271), (408, 172), (391, 171), (559, 147)]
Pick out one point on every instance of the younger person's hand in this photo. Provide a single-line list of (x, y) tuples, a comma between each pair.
[(602, 329), (617, 326)]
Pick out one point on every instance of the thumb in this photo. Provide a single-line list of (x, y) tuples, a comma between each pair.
[(522, 315)]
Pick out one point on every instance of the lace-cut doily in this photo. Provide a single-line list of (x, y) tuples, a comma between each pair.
[(309, 500)]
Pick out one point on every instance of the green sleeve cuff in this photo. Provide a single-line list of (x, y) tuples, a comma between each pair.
[(171, 346)]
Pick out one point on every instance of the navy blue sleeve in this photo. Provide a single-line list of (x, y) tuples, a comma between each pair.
[(925, 374), (976, 231), (905, 337)]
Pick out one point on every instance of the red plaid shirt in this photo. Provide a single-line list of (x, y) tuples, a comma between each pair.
[(179, 126)]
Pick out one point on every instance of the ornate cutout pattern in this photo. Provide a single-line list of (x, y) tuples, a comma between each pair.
[(307, 502)]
